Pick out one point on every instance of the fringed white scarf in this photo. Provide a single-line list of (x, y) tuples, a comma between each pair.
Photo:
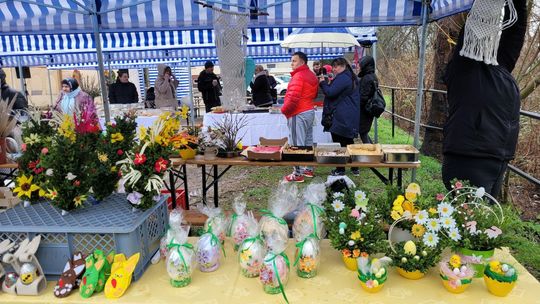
[(483, 29)]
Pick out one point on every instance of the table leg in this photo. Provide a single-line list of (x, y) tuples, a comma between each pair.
[(203, 183), (399, 177), (172, 187), (186, 192), (391, 175), (216, 185)]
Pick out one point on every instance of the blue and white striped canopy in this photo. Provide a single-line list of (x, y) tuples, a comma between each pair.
[(37, 16)]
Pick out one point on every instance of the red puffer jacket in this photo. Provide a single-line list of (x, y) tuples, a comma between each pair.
[(301, 91)]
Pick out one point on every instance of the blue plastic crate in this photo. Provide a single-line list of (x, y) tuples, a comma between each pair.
[(110, 225)]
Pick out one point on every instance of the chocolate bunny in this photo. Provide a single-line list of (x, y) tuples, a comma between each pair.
[(71, 276)]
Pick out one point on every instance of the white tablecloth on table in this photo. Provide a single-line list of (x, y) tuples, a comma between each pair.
[(271, 126)]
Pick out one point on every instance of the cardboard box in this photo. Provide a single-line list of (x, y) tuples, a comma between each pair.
[(275, 145)]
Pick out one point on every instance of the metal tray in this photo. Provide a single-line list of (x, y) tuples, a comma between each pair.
[(400, 153), (365, 158), (332, 159), (298, 156)]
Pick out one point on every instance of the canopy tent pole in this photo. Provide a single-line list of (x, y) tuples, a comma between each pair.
[(100, 63), (420, 90), (191, 104), (21, 78), (50, 87), (110, 69), (376, 127)]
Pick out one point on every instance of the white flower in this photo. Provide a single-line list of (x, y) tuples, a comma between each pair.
[(359, 195), (454, 234), (445, 209), (433, 225), (480, 192), (421, 217), (407, 214), (32, 139), (448, 222), (338, 195), (431, 239), (338, 205), (351, 243), (49, 172), (70, 176)]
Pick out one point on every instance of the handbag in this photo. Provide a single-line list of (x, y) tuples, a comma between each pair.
[(376, 104)]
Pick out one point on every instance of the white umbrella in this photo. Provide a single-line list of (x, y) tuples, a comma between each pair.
[(320, 37)]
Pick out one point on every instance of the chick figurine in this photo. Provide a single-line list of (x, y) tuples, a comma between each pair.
[(28, 273), (455, 261)]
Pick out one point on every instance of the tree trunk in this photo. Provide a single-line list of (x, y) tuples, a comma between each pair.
[(438, 108)]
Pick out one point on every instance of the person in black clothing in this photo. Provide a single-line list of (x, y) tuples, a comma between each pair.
[(481, 132), (260, 88), (150, 102), (123, 91), (368, 81), (9, 93), (273, 84), (208, 85)]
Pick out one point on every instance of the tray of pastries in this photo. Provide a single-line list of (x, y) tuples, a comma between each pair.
[(365, 153)]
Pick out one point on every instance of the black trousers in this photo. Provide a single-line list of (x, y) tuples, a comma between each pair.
[(365, 138), (480, 172), (343, 141)]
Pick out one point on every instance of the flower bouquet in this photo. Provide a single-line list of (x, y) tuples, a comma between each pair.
[(372, 272), (500, 278), (479, 223), (117, 139), (143, 168), (456, 276), (187, 140), (37, 136), (352, 225), (180, 258), (68, 158), (252, 250), (275, 268)]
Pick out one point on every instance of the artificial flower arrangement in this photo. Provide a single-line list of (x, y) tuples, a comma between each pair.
[(117, 139), (226, 134), (500, 278), (372, 272), (66, 163), (414, 259), (187, 139), (352, 225), (37, 136), (455, 274), (144, 167), (479, 223)]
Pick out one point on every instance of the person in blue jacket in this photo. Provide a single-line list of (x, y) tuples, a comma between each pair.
[(341, 110)]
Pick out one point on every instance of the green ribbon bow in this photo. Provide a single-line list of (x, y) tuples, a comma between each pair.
[(273, 260), (233, 219), (300, 246), (215, 240), (266, 212), (252, 239), (315, 209), (178, 246)]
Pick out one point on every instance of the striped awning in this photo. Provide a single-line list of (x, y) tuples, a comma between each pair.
[(153, 15)]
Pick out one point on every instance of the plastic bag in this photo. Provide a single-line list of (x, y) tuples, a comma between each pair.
[(238, 229), (175, 224), (217, 222), (208, 248), (275, 268), (308, 252), (180, 258), (283, 201), (252, 250), (312, 212)]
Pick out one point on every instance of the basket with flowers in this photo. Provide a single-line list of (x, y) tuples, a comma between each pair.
[(500, 278), (117, 139), (456, 275), (372, 272), (144, 167), (352, 225)]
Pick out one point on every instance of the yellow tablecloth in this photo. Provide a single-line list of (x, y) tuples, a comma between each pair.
[(334, 284)]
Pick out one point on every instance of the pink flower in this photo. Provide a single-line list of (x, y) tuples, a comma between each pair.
[(458, 185), (355, 213), (23, 147), (440, 196), (454, 283), (493, 232), (370, 284), (471, 226), (44, 151)]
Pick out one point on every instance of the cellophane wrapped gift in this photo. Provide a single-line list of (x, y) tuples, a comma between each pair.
[(175, 224), (275, 268), (308, 252), (216, 221), (252, 250), (180, 258), (208, 248), (283, 201), (312, 211), (238, 229)]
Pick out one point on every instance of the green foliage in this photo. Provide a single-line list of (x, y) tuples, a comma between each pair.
[(422, 260)]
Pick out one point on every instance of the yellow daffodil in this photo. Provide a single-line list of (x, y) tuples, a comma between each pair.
[(184, 112), (117, 137), (356, 235), (399, 200), (142, 132), (79, 200), (102, 157), (42, 192), (67, 128), (25, 186), (455, 261), (418, 230)]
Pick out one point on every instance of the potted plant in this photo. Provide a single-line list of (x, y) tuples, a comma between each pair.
[(480, 223), (456, 275), (372, 272), (500, 278), (352, 225), (227, 134)]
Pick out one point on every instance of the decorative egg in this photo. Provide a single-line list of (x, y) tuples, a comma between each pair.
[(375, 283), (341, 231), (11, 279), (28, 273), (456, 271), (403, 260), (342, 225), (410, 248), (504, 267), (417, 258), (424, 253), (510, 272), (464, 268), (351, 243)]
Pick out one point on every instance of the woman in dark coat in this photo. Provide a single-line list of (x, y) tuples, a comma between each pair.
[(123, 91), (260, 88), (367, 89), (341, 103)]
